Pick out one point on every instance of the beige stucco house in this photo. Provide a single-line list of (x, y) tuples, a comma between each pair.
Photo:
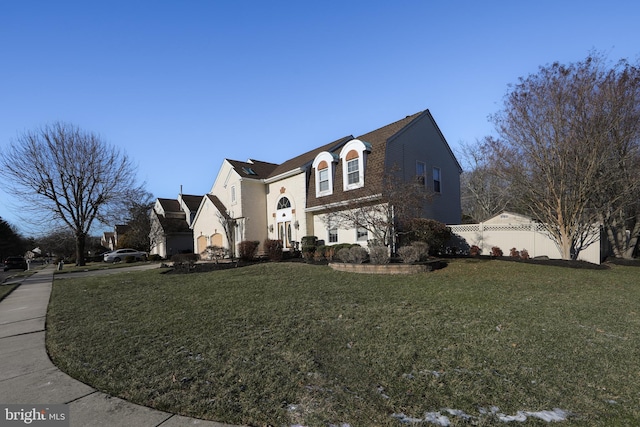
[(256, 200)]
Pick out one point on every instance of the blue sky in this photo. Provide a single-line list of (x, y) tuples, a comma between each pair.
[(181, 85)]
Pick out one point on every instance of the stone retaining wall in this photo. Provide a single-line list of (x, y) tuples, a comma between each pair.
[(381, 268)]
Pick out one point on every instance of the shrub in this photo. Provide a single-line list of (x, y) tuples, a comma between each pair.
[(308, 241), (129, 259), (524, 254), (329, 253), (184, 262), (185, 258), (355, 254), (414, 252), (496, 251), (514, 253), (358, 254), (475, 250), (408, 254), (273, 248), (318, 255), (247, 250), (336, 248), (308, 252), (214, 252), (343, 255), (155, 257), (430, 231), (379, 254)]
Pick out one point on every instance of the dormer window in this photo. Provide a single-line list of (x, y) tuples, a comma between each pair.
[(353, 168), (353, 157), (323, 176), (324, 170)]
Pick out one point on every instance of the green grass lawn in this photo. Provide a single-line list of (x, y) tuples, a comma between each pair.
[(6, 289), (291, 343)]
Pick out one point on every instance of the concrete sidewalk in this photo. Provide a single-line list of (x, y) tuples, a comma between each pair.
[(27, 376)]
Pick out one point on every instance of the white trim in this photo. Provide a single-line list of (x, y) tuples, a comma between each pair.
[(361, 148), (343, 203), (284, 175), (331, 160)]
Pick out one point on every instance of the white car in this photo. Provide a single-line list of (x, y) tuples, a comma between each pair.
[(121, 254)]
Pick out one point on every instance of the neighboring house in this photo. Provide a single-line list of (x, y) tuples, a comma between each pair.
[(108, 240), (256, 200), (170, 225), (509, 230)]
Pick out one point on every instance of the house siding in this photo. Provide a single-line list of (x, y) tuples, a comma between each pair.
[(294, 189), (422, 141), (254, 209)]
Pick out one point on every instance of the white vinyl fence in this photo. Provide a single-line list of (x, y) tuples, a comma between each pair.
[(530, 236)]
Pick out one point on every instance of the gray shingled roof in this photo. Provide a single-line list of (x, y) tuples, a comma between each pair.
[(254, 169), (192, 202), (170, 205), (307, 158)]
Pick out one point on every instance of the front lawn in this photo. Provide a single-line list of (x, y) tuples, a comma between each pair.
[(290, 343)]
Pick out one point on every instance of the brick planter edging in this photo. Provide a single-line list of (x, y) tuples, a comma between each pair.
[(381, 268)]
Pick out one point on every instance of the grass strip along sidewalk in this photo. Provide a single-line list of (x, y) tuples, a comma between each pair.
[(289, 343)]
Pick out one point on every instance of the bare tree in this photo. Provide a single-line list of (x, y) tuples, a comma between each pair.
[(229, 226), (484, 193), (555, 147), (75, 178), (618, 199), (138, 220), (383, 210)]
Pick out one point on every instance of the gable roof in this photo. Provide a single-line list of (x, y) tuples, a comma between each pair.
[(191, 201), (173, 225), (376, 169), (382, 135), (219, 205)]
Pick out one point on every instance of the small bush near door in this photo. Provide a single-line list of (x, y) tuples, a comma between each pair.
[(273, 248), (247, 250)]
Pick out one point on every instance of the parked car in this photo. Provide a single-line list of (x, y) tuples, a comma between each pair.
[(121, 254), (15, 263)]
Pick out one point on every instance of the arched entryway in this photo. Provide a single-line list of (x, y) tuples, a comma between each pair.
[(284, 216)]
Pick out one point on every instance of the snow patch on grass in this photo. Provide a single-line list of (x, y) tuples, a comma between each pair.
[(439, 419)]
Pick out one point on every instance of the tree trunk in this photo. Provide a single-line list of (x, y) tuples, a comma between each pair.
[(80, 245), (633, 240)]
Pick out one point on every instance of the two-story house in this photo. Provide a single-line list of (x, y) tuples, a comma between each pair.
[(255, 200), (171, 221)]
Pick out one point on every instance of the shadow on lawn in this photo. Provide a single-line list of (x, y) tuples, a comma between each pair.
[(606, 265)]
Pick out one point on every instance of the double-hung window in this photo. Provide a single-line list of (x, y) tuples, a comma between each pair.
[(324, 169), (437, 180), (323, 178), (421, 171), (353, 157), (353, 171)]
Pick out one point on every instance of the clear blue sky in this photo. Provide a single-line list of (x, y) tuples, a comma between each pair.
[(181, 85)]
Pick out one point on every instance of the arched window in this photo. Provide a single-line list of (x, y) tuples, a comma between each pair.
[(324, 167), (323, 176), (283, 203), (353, 167), (353, 156)]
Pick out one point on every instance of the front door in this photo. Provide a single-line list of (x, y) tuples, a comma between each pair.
[(284, 233)]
